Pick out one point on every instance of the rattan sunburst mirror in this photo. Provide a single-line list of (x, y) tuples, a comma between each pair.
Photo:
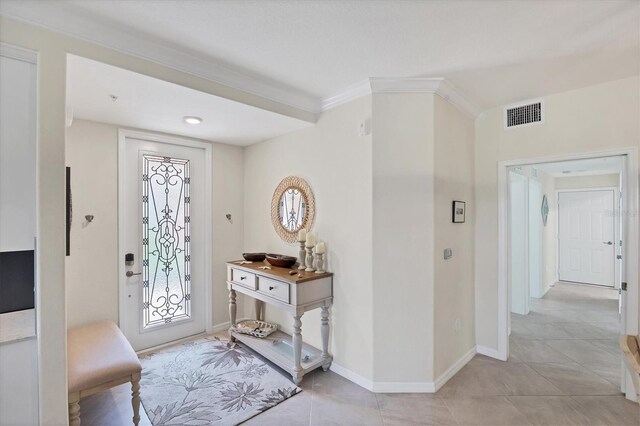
[(293, 208)]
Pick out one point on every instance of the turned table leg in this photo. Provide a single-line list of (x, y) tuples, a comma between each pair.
[(324, 330), (232, 312), (74, 409), (135, 397), (297, 349)]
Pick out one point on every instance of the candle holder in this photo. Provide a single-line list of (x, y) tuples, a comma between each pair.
[(301, 256), (309, 260), (320, 263)]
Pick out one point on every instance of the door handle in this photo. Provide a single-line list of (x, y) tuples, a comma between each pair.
[(609, 243), (131, 273)]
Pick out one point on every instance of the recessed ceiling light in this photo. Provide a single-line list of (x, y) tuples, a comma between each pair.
[(192, 119)]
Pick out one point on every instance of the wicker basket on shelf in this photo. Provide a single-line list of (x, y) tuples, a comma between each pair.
[(255, 328)]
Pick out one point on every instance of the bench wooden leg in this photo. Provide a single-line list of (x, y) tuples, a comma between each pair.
[(135, 397), (74, 409)]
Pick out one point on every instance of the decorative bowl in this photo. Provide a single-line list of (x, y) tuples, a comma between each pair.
[(254, 257), (281, 260)]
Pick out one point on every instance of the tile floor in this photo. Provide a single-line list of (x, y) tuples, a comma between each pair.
[(564, 370)]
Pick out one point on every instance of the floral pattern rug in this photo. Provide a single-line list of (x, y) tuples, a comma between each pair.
[(209, 381)]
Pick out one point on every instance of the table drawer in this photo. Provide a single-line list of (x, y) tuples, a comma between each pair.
[(276, 289), (245, 279)]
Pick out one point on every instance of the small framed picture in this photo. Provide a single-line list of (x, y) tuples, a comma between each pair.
[(458, 212)]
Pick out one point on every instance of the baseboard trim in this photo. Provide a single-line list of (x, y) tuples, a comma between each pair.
[(490, 352), (454, 368), (383, 387), (352, 376), (220, 327), (404, 387)]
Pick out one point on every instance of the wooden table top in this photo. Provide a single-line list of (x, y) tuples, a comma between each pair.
[(277, 273)]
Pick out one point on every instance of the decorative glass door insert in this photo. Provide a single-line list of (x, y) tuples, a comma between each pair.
[(166, 240)]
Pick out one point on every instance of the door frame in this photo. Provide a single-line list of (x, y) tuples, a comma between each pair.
[(123, 134), (630, 248), (616, 226)]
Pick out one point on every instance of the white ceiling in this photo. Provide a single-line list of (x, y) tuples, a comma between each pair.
[(496, 52), (153, 104), (586, 167)]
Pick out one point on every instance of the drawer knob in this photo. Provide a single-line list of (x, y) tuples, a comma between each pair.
[(243, 278), (271, 288)]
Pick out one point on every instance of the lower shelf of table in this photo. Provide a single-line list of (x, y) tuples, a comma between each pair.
[(278, 348)]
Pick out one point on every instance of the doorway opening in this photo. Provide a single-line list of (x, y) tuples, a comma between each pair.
[(563, 273)]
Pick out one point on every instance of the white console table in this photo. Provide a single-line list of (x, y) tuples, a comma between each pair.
[(296, 294)]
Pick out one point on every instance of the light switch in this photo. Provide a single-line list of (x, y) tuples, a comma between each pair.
[(448, 253)]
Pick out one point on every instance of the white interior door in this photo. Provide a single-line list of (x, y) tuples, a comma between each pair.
[(586, 235), (163, 224), (518, 243)]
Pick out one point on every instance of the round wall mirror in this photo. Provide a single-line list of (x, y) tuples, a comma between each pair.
[(292, 208)]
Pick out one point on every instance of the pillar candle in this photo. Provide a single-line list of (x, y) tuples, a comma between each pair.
[(311, 239), (320, 249), (302, 235)]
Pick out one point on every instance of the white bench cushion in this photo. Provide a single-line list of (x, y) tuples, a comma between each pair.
[(98, 353)]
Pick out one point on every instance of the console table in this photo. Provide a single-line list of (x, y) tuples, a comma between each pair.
[(296, 294)]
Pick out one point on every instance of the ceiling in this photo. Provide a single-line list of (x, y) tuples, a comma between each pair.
[(586, 167), (148, 103), (301, 53)]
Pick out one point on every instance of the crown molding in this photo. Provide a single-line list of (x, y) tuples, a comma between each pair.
[(67, 21), (19, 53), (405, 85), (349, 94), (454, 96), (437, 85)]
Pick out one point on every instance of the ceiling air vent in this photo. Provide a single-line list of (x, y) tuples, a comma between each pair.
[(523, 114)]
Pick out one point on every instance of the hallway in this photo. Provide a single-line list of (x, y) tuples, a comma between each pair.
[(574, 327)]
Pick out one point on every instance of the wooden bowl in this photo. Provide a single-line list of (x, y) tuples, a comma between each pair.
[(254, 257), (281, 260)]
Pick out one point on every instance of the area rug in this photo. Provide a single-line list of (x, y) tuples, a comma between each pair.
[(209, 381)]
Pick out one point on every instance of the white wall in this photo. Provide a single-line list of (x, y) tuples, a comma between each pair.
[(92, 268), (549, 234), (18, 114), (582, 182), (53, 48), (19, 384), (403, 242), (591, 119), (336, 163), (454, 293), (17, 154)]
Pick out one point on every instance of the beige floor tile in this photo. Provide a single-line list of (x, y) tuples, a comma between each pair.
[(583, 352), (549, 410), (609, 410), (485, 410), (518, 379), (413, 409), (333, 409), (110, 407), (610, 345), (574, 379), (536, 351), (471, 380)]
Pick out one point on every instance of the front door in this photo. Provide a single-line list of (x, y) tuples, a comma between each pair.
[(162, 240), (586, 235)]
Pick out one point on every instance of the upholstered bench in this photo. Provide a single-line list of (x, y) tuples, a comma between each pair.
[(630, 346), (99, 357)]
